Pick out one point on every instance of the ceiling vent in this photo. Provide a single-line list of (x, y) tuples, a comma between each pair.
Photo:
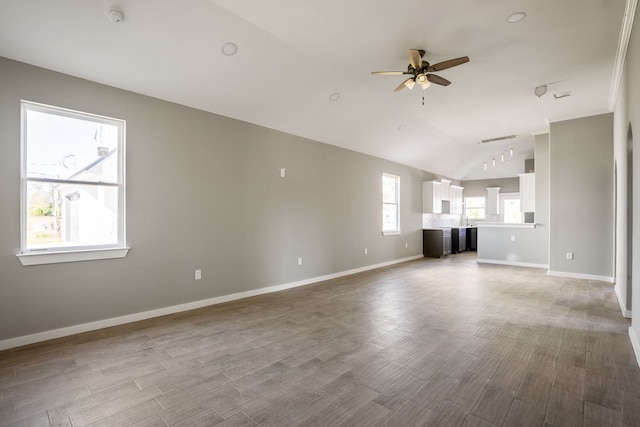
[(499, 138)]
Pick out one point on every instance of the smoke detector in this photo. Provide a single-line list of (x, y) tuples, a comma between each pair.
[(540, 90), (115, 16)]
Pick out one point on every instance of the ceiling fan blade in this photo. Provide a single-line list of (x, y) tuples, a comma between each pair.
[(438, 80), (409, 83), (415, 59), (389, 73), (448, 64)]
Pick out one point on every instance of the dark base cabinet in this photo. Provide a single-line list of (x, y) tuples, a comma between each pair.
[(458, 240), (436, 243), (472, 239)]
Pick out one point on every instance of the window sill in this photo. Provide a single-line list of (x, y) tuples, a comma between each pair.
[(72, 256), (391, 233)]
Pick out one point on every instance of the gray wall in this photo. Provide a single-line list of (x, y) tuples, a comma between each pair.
[(623, 169), (478, 187), (530, 245), (581, 196), (203, 192), (629, 109), (541, 232)]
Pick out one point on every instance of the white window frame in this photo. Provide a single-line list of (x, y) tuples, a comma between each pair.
[(485, 207), (54, 254), (509, 196), (396, 231)]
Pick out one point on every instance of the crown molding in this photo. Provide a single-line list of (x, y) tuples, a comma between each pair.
[(623, 43)]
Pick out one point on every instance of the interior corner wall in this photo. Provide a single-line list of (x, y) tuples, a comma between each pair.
[(629, 109), (581, 197), (203, 192), (541, 232), (623, 169)]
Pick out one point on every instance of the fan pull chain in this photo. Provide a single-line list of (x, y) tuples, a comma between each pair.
[(423, 99)]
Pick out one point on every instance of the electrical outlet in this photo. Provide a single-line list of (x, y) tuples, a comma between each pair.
[(513, 238), (300, 261), (283, 172), (366, 251), (198, 274), (406, 245), (570, 255)]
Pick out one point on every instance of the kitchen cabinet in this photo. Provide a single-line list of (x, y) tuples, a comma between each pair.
[(493, 201), (527, 192), (445, 189), (458, 240), (435, 192), (436, 243), (472, 239), (432, 197), (457, 205)]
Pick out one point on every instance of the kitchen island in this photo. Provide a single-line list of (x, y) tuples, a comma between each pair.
[(520, 244)]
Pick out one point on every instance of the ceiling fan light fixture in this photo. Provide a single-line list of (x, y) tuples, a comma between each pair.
[(423, 81), (410, 83)]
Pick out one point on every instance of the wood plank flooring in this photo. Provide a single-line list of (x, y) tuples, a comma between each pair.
[(425, 343)]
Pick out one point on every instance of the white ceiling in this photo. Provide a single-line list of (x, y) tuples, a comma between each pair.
[(293, 54)]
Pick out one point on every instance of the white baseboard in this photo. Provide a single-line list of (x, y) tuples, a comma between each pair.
[(580, 276), (512, 263), (635, 344), (121, 320), (626, 313)]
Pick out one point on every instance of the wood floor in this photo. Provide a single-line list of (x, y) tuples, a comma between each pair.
[(430, 342)]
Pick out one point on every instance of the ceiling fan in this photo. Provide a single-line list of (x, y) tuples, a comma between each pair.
[(419, 70)]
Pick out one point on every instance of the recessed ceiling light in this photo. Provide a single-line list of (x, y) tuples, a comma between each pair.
[(401, 128), (229, 49), (334, 96), (516, 17)]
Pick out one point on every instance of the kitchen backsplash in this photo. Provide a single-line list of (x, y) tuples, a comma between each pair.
[(441, 220)]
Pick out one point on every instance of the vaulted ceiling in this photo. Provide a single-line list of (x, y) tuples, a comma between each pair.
[(294, 56)]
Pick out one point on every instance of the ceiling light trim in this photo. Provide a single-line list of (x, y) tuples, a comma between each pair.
[(621, 54), (516, 17), (229, 49)]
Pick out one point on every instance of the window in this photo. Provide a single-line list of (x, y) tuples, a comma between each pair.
[(72, 177), (510, 208), (390, 204), (474, 207)]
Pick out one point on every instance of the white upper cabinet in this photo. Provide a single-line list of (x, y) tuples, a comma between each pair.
[(431, 197), (493, 201), (434, 192), (527, 192), (445, 189), (456, 199)]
